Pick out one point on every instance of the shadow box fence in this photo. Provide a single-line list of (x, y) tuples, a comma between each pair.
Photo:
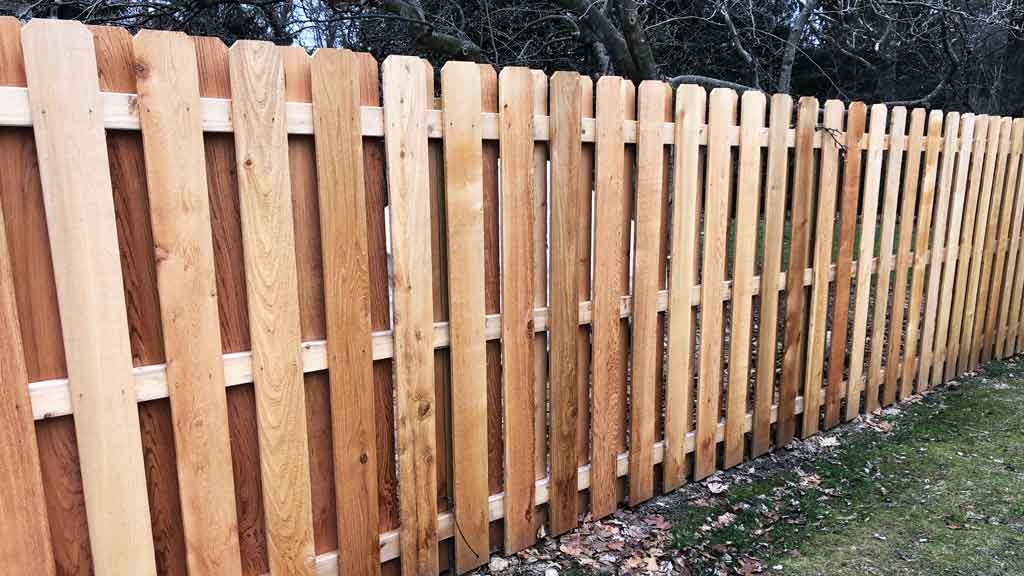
[(262, 311)]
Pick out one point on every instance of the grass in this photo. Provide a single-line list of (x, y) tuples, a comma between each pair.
[(787, 230), (943, 493)]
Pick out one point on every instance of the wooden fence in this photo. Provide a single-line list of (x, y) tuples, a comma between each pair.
[(467, 319)]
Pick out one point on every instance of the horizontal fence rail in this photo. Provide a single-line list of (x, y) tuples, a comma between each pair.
[(267, 312)]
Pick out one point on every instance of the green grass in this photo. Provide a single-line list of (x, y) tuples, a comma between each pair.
[(942, 494), (787, 231)]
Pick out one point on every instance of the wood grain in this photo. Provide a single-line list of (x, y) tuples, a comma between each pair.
[(984, 239), (566, 158), (464, 203), (343, 225), (721, 118), (691, 104), (748, 196), (865, 259), (965, 143), (925, 201), (650, 191), (261, 146), (515, 90), (168, 87), (894, 163), (70, 140), (906, 228), (26, 546), (771, 264), (1010, 242), (800, 221), (828, 205), (39, 319), (229, 265), (608, 372), (1001, 281), (938, 249), (965, 261), (405, 100)]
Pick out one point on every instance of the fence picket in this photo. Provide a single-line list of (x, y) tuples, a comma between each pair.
[(865, 260), (515, 89), (796, 309), (824, 238), (41, 338), (1015, 269), (748, 194), (305, 308), (965, 144), (1000, 288), (894, 162), (974, 310), (26, 546), (979, 341), (343, 224), (585, 284), (1011, 242), (965, 261), (926, 199), (774, 227), (650, 191), (463, 158), (721, 119), (540, 287), (936, 256), (71, 147), (565, 151), (257, 86), (179, 208), (690, 109), (905, 237), (405, 100), (608, 268)]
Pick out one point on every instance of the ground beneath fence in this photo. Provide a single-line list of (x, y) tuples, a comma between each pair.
[(932, 486)]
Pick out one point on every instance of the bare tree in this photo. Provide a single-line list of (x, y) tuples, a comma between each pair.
[(958, 54)]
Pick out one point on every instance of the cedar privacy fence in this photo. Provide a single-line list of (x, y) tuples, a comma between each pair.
[(468, 319)]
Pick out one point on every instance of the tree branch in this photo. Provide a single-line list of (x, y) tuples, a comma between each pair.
[(643, 56), (795, 33), (707, 81), (425, 35)]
